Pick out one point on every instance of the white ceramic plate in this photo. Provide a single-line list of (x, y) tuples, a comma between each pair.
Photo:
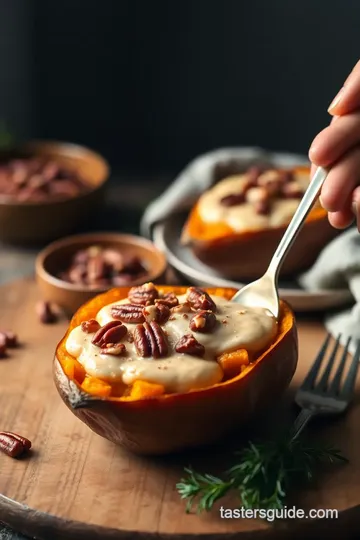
[(166, 237)]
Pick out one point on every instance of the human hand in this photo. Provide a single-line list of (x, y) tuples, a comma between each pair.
[(338, 145)]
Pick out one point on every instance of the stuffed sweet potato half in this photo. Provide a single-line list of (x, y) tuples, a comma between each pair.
[(236, 226), (159, 369)]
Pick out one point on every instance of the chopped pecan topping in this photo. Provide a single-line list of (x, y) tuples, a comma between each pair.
[(204, 322), (199, 299), (257, 194), (184, 308), (143, 294), (159, 313), (233, 199), (112, 332), (291, 190), (90, 326), (262, 207), (117, 349), (150, 340), (169, 299), (128, 313), (189, 345)]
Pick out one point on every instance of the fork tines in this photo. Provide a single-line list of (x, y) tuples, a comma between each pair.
[(328, 384)]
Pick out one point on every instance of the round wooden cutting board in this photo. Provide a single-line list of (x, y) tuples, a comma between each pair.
[(76, 485)]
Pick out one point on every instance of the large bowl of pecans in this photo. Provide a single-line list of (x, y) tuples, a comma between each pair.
[(48, 189), (72, 270)]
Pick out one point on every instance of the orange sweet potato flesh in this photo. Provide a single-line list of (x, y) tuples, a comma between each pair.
[(248, 254), (148, 421)]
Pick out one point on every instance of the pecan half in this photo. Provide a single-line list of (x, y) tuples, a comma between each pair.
[(199, 299), (262, 208), (233, 199), (189, 345), (91, 326), (129, 313), (150, 340), (13, 445), (291, 190), (117, 349), (204, 322), (143, 294), (169, 299), (111, 332), (158, 313)]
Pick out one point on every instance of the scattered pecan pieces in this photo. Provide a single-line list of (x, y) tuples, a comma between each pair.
[(11, 339), (91, 326), (150, 340), (111, 332), (128, 313), (158, 313), (46, 313), (143, 294), (117, 349), (169, 299), (203, 322), (2, 346), (13, 445), (199, 299), (189, 345)]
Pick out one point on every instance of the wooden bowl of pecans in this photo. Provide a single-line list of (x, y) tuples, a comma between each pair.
[(47, 189), (73, 270)]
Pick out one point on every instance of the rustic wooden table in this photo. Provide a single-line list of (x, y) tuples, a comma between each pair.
[(125, 204), (127, 197)]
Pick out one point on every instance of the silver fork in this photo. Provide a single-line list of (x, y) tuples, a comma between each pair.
[(329, 395)]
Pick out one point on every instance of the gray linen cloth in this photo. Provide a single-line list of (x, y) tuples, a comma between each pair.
[(338, 265)]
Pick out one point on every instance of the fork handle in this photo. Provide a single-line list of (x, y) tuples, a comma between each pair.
[(297, 221), (301, 421)]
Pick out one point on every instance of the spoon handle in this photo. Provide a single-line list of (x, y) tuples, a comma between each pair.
[(297, 221)]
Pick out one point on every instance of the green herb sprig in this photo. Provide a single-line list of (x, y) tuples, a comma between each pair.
[(262, 476)]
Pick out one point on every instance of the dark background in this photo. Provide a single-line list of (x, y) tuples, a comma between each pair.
[(151, 84)]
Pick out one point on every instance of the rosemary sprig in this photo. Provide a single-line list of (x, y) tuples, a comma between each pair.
[(263, 475)]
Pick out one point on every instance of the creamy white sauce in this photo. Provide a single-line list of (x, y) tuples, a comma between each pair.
[(243, 217), (237, 327)]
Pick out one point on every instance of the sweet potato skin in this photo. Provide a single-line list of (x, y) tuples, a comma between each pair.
[(164, 424)]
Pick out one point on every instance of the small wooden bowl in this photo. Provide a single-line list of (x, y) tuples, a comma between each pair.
[(33, 223), (70, 296)]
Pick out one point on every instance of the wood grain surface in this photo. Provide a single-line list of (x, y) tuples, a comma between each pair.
[(75, 484)]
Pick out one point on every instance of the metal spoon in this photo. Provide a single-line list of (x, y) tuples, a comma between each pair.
[(264, 291)]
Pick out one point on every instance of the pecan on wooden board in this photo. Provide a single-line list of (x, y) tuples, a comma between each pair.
[(13, 445)]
